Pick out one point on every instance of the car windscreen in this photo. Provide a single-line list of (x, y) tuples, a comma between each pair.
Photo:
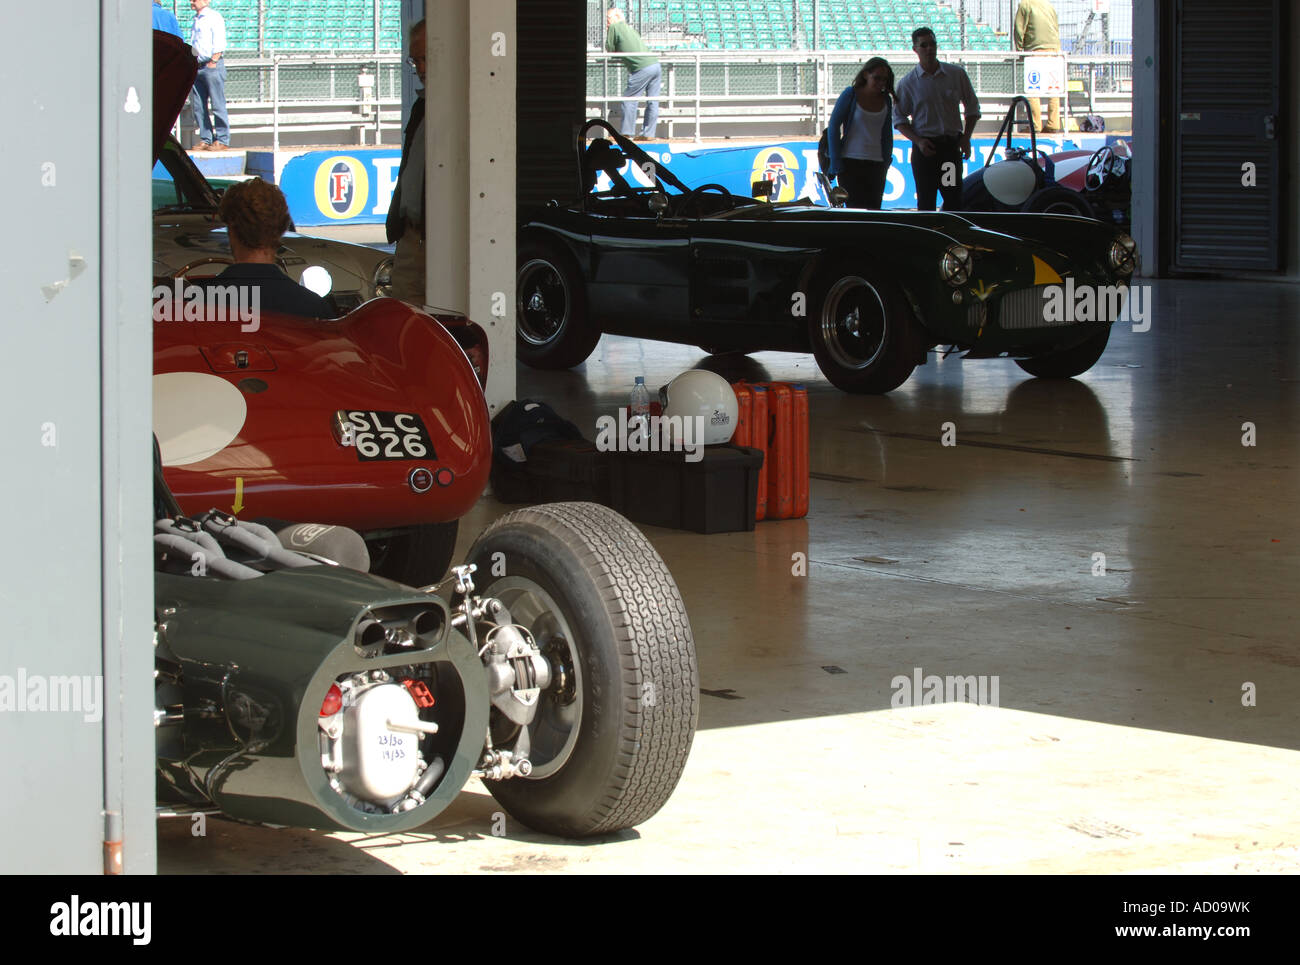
[(177, 183)]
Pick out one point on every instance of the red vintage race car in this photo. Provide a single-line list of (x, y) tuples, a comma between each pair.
[(375, 421)]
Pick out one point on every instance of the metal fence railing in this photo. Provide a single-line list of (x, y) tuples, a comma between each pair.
[(357, 99), (334, 67), (711, 93)]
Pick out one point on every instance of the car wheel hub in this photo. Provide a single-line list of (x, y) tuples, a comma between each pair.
[(543, 302), (553, 731), (853, 323)]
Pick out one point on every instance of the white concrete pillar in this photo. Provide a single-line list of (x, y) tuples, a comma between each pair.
[(470, 174), (1148, 166)]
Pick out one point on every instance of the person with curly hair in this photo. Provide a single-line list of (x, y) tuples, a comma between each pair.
[(256, 216)]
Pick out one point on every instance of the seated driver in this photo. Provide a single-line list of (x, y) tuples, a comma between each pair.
[(256, 217)]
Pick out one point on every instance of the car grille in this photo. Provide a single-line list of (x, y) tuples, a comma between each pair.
[(1025, 309)]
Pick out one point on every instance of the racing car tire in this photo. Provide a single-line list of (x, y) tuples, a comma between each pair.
[(1071, 362), (892, 361), (585, 572), (575, 336), (418, 556), (1058, 200)]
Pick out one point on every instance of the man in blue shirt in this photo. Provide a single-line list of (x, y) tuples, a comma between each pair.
[(165, 20), (208, 40)]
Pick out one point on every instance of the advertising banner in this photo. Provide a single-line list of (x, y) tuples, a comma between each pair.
[(355, 186), (351, 186), (792, 166)]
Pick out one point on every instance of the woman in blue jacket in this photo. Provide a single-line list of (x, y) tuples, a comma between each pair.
[(860, 139)]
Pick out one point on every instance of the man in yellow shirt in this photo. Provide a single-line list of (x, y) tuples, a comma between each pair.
[(1036, 29)]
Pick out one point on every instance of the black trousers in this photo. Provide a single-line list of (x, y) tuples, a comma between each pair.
[(929, 174), (864, 181)]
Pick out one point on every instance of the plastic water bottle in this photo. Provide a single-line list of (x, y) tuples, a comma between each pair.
[(638, 411)]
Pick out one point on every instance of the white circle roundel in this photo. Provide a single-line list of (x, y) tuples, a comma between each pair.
[(1011, 182), (195, 415)]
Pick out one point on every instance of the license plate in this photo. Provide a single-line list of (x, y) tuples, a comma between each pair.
[(386, 435)]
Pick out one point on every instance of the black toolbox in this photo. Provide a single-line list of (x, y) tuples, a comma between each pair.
[(556, 471), (714, 495)]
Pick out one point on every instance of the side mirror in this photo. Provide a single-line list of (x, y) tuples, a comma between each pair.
[(839, 196), (658, 204), (763, 189)]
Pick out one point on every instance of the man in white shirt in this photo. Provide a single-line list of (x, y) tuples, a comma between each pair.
[(927, 113), (208, 41)]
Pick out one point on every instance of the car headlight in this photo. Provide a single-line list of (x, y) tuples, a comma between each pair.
[(1123, 255), (955, 265), (318, 279), (383, 278)]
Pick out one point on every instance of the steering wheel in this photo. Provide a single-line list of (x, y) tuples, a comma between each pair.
[(1099, 165), (696, 193), (185, 269)]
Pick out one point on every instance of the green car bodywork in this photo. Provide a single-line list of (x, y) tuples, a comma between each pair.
[(869, 293), (255, 659)]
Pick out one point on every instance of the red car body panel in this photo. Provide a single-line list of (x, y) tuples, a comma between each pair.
[(284, 460)]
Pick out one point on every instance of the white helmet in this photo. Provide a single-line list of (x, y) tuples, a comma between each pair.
[(702, 393)]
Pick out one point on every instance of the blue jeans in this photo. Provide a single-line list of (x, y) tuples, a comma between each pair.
[(210, 86), (647, 80)]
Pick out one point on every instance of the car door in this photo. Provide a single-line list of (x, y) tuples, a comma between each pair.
[(639, 282), (743, 276)]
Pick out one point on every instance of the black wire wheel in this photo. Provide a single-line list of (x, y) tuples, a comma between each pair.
[(861, 332), (552, 328)]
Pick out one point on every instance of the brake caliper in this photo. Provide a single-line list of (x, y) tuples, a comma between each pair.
[(517, 671)]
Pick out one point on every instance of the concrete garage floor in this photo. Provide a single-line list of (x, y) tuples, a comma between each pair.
[(1121, 743)]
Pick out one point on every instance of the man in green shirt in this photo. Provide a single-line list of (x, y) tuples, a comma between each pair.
[(643, 75)]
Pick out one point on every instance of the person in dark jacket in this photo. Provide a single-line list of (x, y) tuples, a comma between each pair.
[(256, 217), (405, 223), (860, 139)]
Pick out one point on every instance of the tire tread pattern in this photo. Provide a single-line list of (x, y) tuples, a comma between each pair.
[(655, 646)]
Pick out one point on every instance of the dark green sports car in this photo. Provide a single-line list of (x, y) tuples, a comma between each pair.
[(869, 293)]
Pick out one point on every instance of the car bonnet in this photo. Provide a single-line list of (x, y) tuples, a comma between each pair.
[(174, 70)]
